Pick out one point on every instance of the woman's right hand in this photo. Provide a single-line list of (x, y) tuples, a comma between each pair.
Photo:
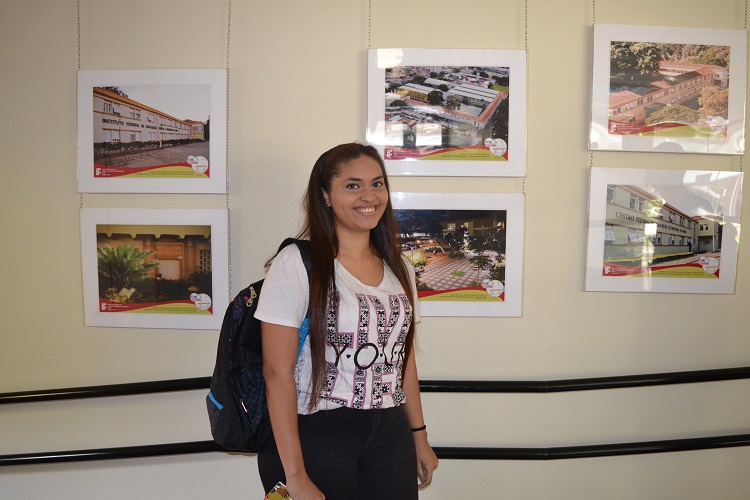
[(303, 488)]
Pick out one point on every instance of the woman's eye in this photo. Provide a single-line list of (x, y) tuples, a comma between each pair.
[(352, 186), (379, 184)]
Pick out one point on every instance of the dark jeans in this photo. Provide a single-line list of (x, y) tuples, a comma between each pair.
[(352, 455)]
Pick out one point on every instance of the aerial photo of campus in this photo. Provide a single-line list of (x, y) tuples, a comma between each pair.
[(458, 255), (446, 112), (677, 90)]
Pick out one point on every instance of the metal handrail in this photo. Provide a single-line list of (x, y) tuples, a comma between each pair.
[(451, 386), (443, 452)]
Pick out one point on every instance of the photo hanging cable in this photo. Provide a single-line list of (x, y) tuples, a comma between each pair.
[(78, 32), (369, 24), (742, 156), (593, 11), (526, 48), (591, 90), (226, 165)]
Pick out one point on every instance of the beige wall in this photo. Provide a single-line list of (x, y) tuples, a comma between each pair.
[(297, 80)]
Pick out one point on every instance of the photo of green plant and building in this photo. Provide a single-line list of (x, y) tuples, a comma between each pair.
[(153, 264)]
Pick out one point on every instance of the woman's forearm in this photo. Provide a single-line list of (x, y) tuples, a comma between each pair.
[(280, 358), (281, 393), (413, 403), (427, 462)]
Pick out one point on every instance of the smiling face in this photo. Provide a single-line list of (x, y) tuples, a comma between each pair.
[(357, 196)]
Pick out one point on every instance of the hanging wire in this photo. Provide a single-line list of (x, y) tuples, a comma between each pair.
[(369, 24), (593, 11), (526, 48), (226, 155), (526, 25), (78, 32), (78, 14), (229, 29), (742, 156), (591, 151), (593, 24)]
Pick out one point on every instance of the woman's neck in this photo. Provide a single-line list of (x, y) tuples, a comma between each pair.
[(357, 257), (354, 245)]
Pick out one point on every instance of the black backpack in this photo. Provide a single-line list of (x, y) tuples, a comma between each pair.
[(236, 402)]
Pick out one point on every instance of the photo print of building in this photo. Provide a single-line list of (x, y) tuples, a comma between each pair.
[(154, 268), (673, 90), (141, 139), (458, 255), (446, 112), (646, 235)]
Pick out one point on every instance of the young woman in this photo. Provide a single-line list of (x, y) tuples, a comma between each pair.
[(344, 400)]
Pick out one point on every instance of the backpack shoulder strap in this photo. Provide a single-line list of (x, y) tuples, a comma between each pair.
[(304, 250), (306, 253)]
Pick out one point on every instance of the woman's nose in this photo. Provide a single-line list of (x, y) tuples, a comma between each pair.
[(367, 193)]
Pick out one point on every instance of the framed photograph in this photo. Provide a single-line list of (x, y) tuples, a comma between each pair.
[(453, 112), (663, 230), (155, 268), (679, 90), (466, 249), (152, 131)]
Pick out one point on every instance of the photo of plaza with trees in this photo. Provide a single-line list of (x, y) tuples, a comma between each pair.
[(455, 250)]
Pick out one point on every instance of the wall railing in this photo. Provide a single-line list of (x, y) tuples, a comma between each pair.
[(444, 452)]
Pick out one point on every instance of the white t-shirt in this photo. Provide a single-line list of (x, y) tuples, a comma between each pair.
[(367, 328)]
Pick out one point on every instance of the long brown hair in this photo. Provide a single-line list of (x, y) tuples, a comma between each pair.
[(319, 227)]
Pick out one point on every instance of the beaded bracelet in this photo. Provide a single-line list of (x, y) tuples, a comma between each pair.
[(417, 429)]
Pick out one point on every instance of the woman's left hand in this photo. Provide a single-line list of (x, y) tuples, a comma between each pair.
[(427, 461)]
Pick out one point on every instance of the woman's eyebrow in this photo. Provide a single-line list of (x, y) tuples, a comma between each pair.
[(380, 177)]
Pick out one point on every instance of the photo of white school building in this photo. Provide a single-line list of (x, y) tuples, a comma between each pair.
[(642, 226), (120, 120)]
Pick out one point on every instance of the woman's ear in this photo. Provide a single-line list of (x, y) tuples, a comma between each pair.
[(325, 197)]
